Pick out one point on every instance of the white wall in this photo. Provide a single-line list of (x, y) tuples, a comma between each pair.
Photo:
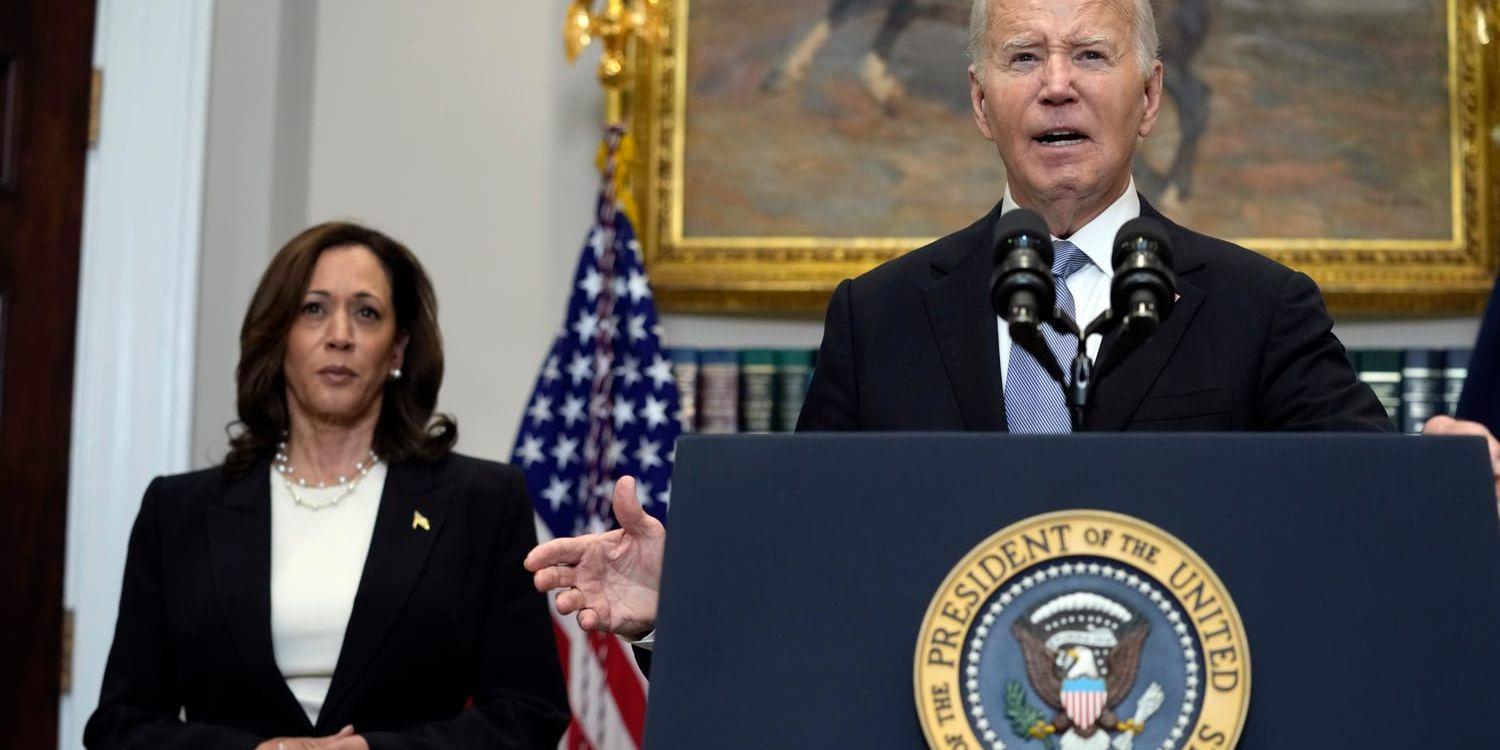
[(255, 183), (442, 124), (458, 127)]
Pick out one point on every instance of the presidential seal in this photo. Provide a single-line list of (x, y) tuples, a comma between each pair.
[(1082, 630)]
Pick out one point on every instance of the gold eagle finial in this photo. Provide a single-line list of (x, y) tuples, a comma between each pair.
[(616, 25)]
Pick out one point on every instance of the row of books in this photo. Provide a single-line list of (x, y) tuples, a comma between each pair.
[(1413, 384), (761, 390), (741, 390)]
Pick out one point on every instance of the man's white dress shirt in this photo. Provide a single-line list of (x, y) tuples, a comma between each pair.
[(1089, 285)]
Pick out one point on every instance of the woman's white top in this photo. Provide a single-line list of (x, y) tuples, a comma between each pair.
[(317, 557)]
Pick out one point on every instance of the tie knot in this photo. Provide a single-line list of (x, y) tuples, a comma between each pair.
[(1067, 259)]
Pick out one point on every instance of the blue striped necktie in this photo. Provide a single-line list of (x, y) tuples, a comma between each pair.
[(1033, 401)]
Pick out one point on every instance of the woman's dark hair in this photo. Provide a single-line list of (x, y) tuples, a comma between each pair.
[(407, 429)]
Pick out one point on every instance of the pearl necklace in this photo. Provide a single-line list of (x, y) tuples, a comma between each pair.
[(350, 482)]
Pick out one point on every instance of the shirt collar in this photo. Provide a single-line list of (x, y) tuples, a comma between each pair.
[(1097, 237)]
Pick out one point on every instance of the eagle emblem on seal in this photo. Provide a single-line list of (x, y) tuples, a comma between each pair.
[(1082, 652)]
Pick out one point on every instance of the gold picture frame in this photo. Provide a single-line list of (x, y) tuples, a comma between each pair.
[(793, 274)]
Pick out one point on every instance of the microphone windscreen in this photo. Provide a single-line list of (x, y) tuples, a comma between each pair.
[(1018, 222), (1143, 227)]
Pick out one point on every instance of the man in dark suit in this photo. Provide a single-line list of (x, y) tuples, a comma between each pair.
[(1065, 89), (913, 345)]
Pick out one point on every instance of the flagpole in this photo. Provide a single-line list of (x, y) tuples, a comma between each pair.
[(600, 432)]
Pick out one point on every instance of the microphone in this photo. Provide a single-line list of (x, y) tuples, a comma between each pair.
[(1022, 288), (1144, 289)]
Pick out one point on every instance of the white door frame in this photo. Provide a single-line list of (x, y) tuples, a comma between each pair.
[(137, 308)]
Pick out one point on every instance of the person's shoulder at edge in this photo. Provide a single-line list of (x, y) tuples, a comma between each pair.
[(1238, 265), (191, 487)]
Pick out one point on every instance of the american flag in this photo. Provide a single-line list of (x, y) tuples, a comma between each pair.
[(604, 406)]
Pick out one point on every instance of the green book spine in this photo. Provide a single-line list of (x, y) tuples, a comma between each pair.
[(757, 390), (792, 369)]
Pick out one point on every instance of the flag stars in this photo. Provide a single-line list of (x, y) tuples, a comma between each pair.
[(586, 326), (646, 454), (606, 347), (660, 372), (614, 454), (565, 452), (636, 327), (654, 412), (624, 413), (581, 368), (572, 410), (556, 492), (629, 371), (541, 410), (591, 283), (638, 287), (530, 451)]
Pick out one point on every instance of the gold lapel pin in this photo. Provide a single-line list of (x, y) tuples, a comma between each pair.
[(419, 521)]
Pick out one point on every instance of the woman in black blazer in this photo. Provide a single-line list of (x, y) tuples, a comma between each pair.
[(344, 580)]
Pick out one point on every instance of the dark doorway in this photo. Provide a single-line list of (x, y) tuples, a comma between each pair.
[(45, 52)]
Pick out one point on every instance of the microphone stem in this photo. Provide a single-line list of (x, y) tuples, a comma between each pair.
[(1083, 379)]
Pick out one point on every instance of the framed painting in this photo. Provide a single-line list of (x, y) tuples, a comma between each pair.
[(783, 145)]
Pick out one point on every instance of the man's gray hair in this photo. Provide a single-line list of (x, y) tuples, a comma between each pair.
[(1147, 44)]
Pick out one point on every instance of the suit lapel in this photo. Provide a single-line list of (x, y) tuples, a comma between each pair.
[(239, 543), (1120, 391), (411, 516), (958, 310)]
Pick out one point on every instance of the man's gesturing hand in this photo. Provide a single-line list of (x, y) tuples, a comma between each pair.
[(610, 579)]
